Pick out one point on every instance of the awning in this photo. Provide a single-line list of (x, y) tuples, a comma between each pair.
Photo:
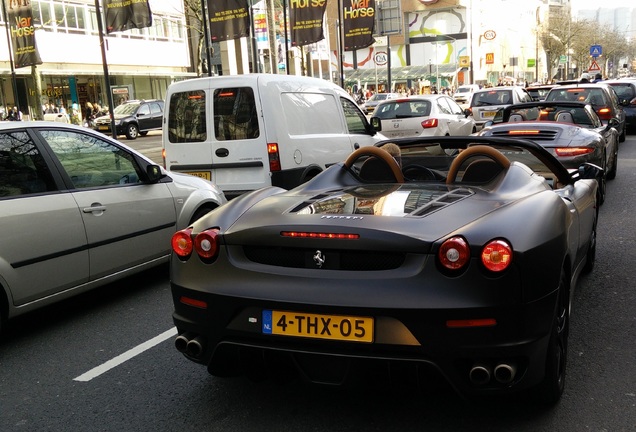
[(402, 73)]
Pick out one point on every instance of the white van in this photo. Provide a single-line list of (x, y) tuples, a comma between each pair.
[(244, 132)]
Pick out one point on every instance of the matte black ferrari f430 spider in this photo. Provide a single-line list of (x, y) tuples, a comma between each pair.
[(457, 255)]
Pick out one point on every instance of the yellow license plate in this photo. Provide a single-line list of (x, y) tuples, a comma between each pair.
[(489, 114), (318, 326), (103, 127), (201, 174)]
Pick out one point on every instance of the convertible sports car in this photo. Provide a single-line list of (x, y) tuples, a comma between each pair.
[(571, 131), (451, 255)]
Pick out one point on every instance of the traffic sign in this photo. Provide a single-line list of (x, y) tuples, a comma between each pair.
[(594, 67), (596, 51)]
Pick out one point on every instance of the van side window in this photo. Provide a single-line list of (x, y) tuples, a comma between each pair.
[(311, 113), (186, 120), (356, 121), (234, 112)]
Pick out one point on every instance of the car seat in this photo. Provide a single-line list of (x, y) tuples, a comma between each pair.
[(564, 117), (481, 171)]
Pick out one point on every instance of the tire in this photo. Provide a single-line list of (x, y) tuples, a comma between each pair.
[(590, 258), (132, 131), (623, 135), (611, 175), (200, 213), (550, 390)]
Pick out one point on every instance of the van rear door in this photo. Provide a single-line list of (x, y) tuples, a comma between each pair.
[(216, 133)]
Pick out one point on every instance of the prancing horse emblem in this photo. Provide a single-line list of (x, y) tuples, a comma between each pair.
[(319, 258)]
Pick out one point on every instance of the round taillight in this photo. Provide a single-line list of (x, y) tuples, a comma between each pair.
[(182, 242), (206, 243), (496, 255), (454, 253)]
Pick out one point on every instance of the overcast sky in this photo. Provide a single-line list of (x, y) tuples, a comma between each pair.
[(594, 4)]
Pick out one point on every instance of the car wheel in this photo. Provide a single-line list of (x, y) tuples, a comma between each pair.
[(551, 389), (623, 135), (132, 131), (200, 213), (611, 174), (590, 258)]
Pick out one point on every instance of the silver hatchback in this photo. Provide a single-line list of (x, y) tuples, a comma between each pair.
[(486, 102), (79, 210)]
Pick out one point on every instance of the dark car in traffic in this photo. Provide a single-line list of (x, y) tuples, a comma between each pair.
[(601, 96), (626, 90), (408, 256), (571, 131), (133, 118)]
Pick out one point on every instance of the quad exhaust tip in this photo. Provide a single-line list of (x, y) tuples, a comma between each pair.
[(482, 374)]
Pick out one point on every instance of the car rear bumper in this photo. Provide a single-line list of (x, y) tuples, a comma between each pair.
[(230, 333)]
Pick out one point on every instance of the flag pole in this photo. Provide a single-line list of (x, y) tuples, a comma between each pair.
[(14, 82), (100, 27)]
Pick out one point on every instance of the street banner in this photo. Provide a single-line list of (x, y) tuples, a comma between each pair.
[(359, 22), (124, 15), (305, 19), (20, 21), (229, 19)]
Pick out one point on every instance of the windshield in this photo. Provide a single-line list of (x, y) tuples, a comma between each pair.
[(403, 109), (492, 97), (126, 109)]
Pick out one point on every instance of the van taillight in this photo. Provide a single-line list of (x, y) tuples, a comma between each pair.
[(274, 157)]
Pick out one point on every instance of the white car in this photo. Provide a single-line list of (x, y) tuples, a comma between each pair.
[(370, 105), (464, 92), (426, 115)]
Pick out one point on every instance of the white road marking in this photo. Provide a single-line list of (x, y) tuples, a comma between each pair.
[(103, 368)]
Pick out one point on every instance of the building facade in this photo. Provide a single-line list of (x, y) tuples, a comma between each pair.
[(141, 62)]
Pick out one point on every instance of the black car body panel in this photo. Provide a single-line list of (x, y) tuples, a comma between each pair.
[(382, 266)]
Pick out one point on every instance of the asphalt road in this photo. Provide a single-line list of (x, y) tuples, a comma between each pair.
[(105, 361)]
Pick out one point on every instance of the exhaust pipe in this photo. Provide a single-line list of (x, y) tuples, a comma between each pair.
[(479, 374), (181, 342), (505, 373), (195, 347)]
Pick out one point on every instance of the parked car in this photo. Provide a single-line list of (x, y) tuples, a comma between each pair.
[(133, 118), (464, 92), (375, 99), (426, 115), (571, 131), (601, 96), (418, 264), (538, 92), (79, 210), (486, 102), (626, 91)]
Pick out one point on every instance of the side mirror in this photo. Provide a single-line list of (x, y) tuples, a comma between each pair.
[(612, 123), (489, 123), (154, 173), (590, 171), (468, 112), (376, 124)]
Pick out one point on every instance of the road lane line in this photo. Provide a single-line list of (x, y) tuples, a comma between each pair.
[(97, 371)]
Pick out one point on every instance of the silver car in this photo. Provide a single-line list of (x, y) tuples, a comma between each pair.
[(79, 210), (485, 103)]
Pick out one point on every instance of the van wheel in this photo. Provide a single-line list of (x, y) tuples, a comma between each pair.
[(132, 131)]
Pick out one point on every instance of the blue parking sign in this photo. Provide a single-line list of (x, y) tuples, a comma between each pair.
[(596, 51)]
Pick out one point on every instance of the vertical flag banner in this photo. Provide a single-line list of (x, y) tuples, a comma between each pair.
[(359, 21), (229, 19), (305, 18), (20, 22), (127, 14)]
